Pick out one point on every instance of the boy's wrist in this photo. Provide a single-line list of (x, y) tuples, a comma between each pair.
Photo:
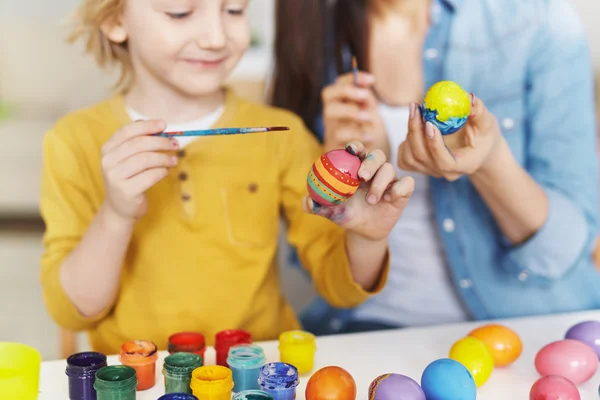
[(113, 220)]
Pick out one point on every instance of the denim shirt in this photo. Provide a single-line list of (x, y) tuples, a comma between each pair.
[(529, 62)]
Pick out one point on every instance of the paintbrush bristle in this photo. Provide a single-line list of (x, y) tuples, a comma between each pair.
[(279, 128), (354, 63)]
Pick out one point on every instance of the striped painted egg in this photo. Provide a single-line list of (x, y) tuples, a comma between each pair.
[(333, 178)]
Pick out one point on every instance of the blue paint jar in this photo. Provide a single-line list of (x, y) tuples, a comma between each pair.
[(81, 370), (245, 361), (252, 395), (178, 396), (279, 380)]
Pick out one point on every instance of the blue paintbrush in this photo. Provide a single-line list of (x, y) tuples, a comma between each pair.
[(223, 131)]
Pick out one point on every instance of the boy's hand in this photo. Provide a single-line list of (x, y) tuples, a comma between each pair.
[(132, 162), (377, 205)]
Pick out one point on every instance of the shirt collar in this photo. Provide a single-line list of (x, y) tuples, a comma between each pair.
[(452, 4)]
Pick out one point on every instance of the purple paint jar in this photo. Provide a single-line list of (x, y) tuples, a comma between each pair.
[(81, 370)]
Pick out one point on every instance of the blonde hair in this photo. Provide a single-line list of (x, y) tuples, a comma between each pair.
[(88, 20)]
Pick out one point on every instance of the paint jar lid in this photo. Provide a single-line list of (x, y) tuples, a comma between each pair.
[(115, 378), (85, 364), (298, 338), (178, 396), (181, 363), (211, 379), (138, 352), (186, 341), (278, 376), (252, 395), (246, 356), (232, 337)]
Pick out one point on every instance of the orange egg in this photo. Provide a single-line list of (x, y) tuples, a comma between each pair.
[(504, 343), (331, 383)]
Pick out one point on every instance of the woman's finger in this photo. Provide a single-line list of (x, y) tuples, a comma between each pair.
[(336, 111), (443, 159), (363, 79), (384, 177), (407, 162), (417, 140), (344, 93)]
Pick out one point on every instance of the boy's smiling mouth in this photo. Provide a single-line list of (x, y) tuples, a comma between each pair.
[(205, 63)]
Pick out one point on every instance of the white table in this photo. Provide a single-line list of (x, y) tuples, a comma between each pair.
[(404, 351)]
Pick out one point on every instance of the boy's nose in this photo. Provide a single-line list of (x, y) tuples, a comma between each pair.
[(212, 34)]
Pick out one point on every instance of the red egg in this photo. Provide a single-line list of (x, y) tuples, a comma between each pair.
[(331, 383), (554, 387), (333, 178), (570, 358)]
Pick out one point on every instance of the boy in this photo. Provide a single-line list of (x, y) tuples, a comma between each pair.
[(147, 236)]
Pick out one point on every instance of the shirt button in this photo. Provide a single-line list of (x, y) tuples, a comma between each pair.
[(465, 283), (523, 276), (183, 176), (185, 197), (253, 187), (430, 54), (181, 153), (335, 324), (508, 123), (448, 225)]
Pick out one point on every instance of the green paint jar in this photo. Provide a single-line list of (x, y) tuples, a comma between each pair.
[(177, 370), (115, 382)]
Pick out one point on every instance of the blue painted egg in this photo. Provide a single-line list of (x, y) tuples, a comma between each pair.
[(446, 379), (447, 106)]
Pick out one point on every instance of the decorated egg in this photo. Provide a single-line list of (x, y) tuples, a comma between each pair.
[(587, 332), (333, 178), (447, 106), (395, 386), (447, 379), (554, 387), (331, 383), (504, 343), (475, 356), (570, 358)]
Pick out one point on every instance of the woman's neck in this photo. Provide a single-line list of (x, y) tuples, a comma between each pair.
[(170, 106), (404, 8)]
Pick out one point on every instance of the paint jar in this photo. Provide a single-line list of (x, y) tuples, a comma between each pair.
[(19, 371), (187, 342), (225, 339), (245, 361), (177, 370), (298, 348), (81, 370), (279, 380), (141, 355), (178, 396), (212, 382), (252, 395), (115, 382)]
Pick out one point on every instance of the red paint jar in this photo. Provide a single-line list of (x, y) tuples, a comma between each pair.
[(225, 339), (141, 355), (187, 342)]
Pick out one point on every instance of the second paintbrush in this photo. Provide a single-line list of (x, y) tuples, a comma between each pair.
[(223, 131)]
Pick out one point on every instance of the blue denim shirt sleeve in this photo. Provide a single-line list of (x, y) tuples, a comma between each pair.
[(561, 148)]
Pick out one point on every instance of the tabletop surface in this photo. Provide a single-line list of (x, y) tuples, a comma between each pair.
[(403, 351)]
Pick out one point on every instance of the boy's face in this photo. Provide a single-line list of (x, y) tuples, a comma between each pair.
[(190, 46)]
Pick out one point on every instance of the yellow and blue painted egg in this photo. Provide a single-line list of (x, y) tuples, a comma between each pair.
[(447, 106)]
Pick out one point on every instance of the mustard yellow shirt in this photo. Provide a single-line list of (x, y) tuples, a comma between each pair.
[(204, 256)]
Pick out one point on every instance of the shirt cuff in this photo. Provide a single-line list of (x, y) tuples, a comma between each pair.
[(555, 247)]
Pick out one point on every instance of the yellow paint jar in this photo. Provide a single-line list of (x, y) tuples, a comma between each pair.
[(19, 371), (298, 349), (212, 382)]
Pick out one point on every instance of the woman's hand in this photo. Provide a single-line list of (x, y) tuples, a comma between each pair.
[(379, 202), (462, 153), (350, 113)]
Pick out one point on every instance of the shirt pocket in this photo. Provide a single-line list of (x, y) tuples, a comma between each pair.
[(508, 108), (251, 213)]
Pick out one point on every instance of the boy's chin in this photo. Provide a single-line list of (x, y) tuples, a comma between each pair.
[(199, 88)]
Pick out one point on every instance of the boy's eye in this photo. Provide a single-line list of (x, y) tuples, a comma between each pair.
[(235, 11), (179, 15)]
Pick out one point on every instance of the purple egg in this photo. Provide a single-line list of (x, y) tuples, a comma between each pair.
[(395, 386), (587, 332)]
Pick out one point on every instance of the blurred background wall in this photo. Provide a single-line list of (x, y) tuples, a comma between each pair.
[(42, 78)]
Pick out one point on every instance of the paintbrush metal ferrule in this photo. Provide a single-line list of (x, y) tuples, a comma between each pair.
[(354, 71), (222, 131)]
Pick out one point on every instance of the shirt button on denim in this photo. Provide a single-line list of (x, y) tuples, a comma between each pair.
[(335, 324), (508, 123), (465, 283), (523, 276), (430, 54), (448, 225)]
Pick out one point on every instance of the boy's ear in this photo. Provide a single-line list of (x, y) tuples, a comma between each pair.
[(114, 30)]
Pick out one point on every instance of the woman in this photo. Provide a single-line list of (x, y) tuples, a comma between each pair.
[(504, 213)]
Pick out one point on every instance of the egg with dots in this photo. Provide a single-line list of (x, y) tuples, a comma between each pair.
[(570, 358), (554, 387), (333, 178), (447, 106), (331, 383), (504, 343)]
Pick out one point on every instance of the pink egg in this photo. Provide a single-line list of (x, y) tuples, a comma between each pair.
[(572, 359), (554, 387)]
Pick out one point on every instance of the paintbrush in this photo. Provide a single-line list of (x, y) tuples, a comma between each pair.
[(222, 131), (354, 71)]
